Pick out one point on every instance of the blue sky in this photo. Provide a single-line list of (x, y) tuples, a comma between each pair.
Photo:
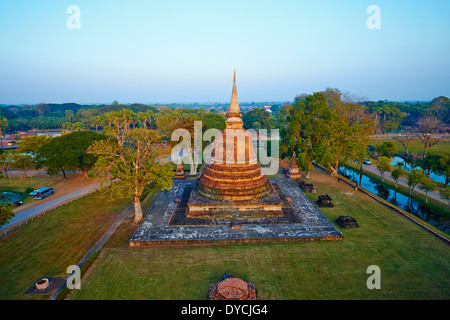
[(186, 51)]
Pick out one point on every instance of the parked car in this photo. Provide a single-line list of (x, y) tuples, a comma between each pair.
[(17, 203), (43, 193), (367, 161)]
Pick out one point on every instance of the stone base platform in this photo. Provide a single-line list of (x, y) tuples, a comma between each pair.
[(199, 206), (164, 223)]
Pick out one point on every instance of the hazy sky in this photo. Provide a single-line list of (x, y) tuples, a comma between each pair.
[(186, 51)]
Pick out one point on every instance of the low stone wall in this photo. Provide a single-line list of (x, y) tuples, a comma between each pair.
[(184, 243)]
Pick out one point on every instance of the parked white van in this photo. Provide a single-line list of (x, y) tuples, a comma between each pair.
[(43, 193)]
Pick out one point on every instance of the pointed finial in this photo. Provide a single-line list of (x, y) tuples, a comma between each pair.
[(234, 113)]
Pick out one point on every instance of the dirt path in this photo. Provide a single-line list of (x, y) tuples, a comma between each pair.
[(73, 182)]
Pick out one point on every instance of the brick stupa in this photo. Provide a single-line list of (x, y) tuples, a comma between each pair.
[(293, 171), (233, 184)]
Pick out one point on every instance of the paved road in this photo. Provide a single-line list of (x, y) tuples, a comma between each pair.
[(402, 181), (35, 210)]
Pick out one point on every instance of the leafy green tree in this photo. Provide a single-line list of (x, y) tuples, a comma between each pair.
[(213, 121), (257, 115), (5, 162), (128, 158), (3, 124), (442, 167), (415, 177), (386, 149), (31, 144), (445, 194), (96, 121), (427, 186), (274, 108), (281, 116), (306, 129), (22, 161), (69, 115), (68, 152), (6, 213), (383, 165), (346, 135), (397, 173), (429, 163)]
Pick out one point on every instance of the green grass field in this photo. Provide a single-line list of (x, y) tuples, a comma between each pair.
[(48, 245), (413, 263), (416, 145)]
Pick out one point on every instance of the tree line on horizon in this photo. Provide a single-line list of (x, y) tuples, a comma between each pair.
[(389, 116)]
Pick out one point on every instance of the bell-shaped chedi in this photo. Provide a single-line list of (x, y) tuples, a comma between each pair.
[(233, 181)]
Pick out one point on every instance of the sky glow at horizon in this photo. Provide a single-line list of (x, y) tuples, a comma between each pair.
[(186, 51)]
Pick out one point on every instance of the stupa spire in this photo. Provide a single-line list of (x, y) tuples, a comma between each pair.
[(234, 113), (234, 105)]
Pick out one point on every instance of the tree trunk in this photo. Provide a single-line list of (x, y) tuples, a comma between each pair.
[(333, 171), (191, 162), (308, 174), (138, 216)]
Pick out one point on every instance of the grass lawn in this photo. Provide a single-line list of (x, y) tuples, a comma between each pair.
[(413, 263), (416, 145), (48, 245)]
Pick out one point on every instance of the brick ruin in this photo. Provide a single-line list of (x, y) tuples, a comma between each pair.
[(233, 183)]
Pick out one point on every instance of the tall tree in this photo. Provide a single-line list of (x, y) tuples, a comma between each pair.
[(22, 161), (443, 167), (31, 144), (68, 152), (427, 186), (383, 165), (6, 213), (405, 138), (257, 115), (128, 158), (415, 177), (397, 173), (5, 162), (3, 123), (386, 149), (69, 115), (306, 130), (426, 127)]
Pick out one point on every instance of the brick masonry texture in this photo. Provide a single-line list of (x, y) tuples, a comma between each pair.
[(155, 230)]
